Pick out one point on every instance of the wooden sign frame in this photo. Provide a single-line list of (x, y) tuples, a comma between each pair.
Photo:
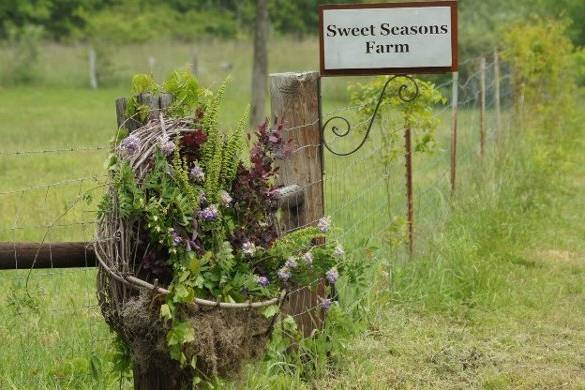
[(393, 70)]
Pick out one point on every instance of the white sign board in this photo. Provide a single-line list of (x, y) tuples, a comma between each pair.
[(391, 38)]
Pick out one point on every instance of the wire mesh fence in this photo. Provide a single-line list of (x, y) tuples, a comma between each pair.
[(51, 315)]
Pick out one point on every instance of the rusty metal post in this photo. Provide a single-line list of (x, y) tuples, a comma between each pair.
[(409, 190), (454, 107), (482, 106)]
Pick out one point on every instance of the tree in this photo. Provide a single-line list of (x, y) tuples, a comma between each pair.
[(260, 70)]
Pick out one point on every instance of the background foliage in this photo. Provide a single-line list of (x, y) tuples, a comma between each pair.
[(138, 20)]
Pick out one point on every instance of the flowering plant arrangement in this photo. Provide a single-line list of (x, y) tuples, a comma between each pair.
[(205, 219)]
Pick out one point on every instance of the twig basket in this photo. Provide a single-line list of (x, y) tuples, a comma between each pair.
[(130, 297)]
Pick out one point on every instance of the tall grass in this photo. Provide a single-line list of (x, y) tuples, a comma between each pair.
[(475, 257)]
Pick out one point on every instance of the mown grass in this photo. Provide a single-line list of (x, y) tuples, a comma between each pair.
[(492, 295)]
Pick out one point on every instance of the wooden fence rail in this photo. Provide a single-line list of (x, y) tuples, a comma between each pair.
[(26, 255)]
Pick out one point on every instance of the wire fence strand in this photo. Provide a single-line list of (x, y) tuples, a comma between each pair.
[(363, 193)]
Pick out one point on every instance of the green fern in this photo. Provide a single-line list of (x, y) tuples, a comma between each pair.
[(212, 183), (210, 125), (233, 146)]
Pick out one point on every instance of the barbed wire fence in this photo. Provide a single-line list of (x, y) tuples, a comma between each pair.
[(51, 316)]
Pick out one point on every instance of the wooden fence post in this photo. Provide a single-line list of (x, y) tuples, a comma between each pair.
[(93, 80), (482, 106), (260, 64), (498, 102), (295, 103), (454, 107), (152, 64)]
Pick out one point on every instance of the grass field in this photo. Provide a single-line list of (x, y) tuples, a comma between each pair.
[(493, 298)]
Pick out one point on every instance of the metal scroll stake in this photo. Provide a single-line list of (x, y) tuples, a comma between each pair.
[(408, 91)]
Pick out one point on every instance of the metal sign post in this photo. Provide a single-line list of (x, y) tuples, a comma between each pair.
[(387, 39)]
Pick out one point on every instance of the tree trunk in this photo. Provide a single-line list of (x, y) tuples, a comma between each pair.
[(260, 71)]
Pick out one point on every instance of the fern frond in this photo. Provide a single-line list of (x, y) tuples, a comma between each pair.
[(213, 181), (182, 179), (214, 139), (232, 151)]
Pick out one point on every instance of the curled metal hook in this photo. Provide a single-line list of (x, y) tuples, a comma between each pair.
[(404, 94)]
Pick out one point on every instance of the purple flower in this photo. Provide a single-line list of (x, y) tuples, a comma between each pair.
[(262, 281), (130, 145), (167, 147), (332, 275), (326, 303), (203, 200), (248, 248), (291, 263), (308, 258), (197, 173), (226, 199), (284, 274), (324, 224), (209, 213), (339, 252), (176, 238)]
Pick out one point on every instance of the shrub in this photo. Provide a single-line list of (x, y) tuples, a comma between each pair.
[(21, 67), (540, 53)]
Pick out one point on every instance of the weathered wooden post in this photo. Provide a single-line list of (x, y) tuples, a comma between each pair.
[(152, 64), (482, 106), (260, 64), (93, 80), (454, 106), (295, 102), (498, 102)]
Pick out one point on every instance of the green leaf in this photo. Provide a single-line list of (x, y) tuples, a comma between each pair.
[(194, 266), (165, 312), (271, 311), (180, 333), (182, 294)]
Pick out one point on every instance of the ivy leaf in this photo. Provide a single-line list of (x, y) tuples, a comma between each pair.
[(180, 333), (194, 266), (271, 311), (199, 282), (182, 294), (165, 312), (184, 276)]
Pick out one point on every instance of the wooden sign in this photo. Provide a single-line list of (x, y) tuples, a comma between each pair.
[(396, 38)]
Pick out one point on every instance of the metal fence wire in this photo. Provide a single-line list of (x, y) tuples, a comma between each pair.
[(50, 323)]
